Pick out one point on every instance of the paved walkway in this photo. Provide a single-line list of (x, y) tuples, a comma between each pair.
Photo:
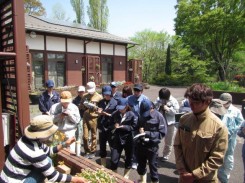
[(167, 169)]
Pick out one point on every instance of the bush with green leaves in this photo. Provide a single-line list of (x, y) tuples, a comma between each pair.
[(226, 86), (179, 79)]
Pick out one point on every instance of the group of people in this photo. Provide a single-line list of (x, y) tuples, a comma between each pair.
[(204, 138)]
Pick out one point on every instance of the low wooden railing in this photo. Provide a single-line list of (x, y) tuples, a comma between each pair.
[(77, 163)]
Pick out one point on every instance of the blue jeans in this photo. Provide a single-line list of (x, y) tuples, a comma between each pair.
[(35, 176)]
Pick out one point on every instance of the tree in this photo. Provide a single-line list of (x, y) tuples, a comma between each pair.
[(34, 7), (168, 70), (186, 66), (151, 49), (214, 29), (58, 12), (98, 13), (78, 7)]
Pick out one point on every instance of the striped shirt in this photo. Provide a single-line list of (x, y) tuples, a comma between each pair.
[(25, 156)]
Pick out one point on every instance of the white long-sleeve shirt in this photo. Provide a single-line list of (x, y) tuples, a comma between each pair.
[(173, 106), (70, 121)]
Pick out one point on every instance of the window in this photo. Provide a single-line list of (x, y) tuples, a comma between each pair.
[(56, 68)]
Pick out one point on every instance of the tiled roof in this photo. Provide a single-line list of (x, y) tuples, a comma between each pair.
[(35, 23)]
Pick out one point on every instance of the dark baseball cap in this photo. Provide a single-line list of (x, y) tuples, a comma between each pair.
[(122, 103), (106, 90), (49, 83), (138, 87), (145, 108)]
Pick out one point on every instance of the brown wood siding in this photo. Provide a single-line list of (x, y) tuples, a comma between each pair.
[(134, 69), (29, 68), (14, 86), (74, 73), (93, 68), (119, 68)]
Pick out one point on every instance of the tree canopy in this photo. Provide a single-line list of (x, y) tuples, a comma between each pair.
[(78, 7), (34, 7), (98, 13), (181, 65), (58, 12), (214, 29), (151, 49)]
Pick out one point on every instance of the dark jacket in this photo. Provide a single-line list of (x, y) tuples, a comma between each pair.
[(108, 107), (45, 102), (155, 127), (77, 101), (128, 124)]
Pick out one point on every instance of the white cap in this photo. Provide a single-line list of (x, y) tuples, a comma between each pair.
[(81, 88), (91, 87)]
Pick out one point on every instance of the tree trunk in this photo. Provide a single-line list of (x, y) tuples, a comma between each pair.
[(222, 75)]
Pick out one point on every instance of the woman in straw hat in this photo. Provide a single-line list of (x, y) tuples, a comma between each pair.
[(29, 160)]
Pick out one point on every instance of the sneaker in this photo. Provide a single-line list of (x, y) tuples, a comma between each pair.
[(134, 166), (164, 158), (91, 156), (86, 155)]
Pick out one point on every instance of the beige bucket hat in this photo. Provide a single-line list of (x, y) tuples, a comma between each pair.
[(40, 127)]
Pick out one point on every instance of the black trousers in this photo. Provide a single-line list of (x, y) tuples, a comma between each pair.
[(104, 136), (150, 154), (116, 151)]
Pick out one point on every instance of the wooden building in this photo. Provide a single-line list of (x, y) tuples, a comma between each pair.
[(70, 54), (14, 100), (34, 49)]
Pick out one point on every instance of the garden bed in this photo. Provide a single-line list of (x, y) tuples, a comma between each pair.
[(77, 163)]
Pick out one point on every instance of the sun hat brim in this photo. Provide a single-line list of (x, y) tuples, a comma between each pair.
[(217, 107), (40, 134), (220, 111), (66, 100)]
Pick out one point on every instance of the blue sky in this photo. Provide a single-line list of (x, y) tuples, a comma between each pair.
[(126, 17)]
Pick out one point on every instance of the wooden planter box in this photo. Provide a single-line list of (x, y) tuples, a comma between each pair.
[(72, 89), (34, 98), (237, 98), (77, 163)]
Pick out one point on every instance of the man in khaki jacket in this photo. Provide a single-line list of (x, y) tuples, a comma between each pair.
[(201, 140), (89, 105)]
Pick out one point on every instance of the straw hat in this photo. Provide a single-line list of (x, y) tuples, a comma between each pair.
[(40, 127)]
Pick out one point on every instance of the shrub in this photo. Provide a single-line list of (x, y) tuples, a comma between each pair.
[(179, 79), (240, 79), (226, 86)]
